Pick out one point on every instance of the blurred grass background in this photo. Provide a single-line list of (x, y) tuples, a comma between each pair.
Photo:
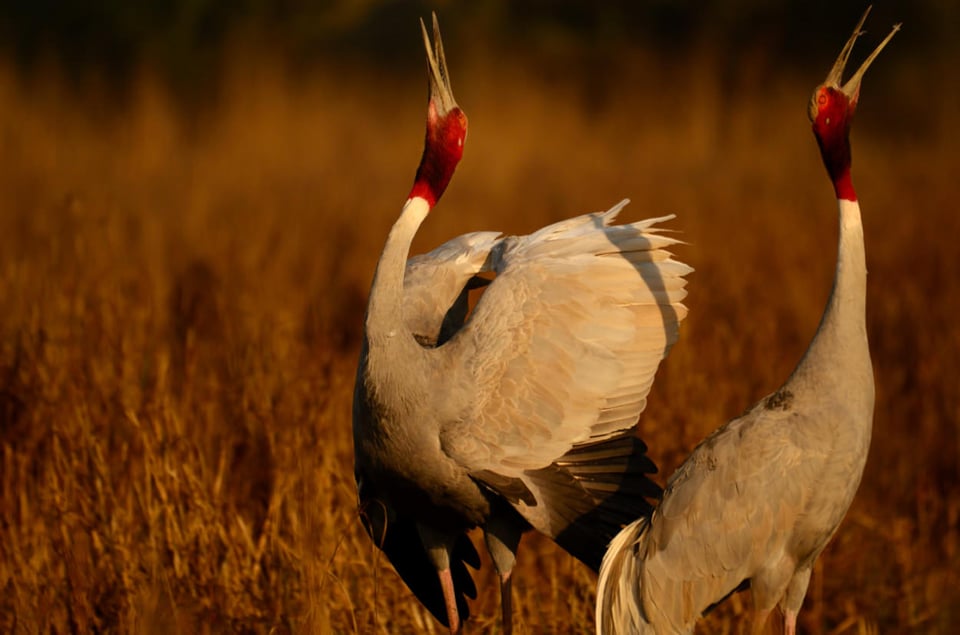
[(193, 195)]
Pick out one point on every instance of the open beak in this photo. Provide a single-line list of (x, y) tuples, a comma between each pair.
[(852, 88), (440, 92)]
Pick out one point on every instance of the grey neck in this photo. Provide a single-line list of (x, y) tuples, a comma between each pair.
[(391, 353), (838, 359)]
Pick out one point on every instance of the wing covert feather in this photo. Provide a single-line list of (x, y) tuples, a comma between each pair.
[(434, 285)]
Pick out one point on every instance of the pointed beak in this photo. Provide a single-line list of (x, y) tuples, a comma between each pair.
[(440, 92), (835, 78)]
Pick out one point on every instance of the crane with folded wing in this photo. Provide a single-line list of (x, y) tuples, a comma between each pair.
[(758, 500)]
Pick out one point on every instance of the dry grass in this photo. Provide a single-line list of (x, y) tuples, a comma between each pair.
[(181, 303)]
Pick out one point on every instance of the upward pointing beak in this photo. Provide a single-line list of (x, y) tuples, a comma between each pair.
[(440, 92), (852, 88)]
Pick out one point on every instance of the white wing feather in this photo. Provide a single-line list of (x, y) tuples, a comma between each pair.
[(562, 348)]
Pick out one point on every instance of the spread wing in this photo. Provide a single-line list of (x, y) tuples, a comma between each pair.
[(561, 350), (436, 285)]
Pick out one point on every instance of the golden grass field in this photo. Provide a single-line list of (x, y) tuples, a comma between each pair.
[(182, 298)]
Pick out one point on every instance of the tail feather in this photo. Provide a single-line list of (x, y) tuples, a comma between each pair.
[(619, 603)]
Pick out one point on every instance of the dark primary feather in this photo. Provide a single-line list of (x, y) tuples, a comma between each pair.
[(396, 535), (593, 491)]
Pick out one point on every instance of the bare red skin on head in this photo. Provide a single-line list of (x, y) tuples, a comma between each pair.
[(442, 151), (831, 126)]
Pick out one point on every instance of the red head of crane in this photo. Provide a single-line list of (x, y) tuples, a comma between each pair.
[(446, 130), (831, 112)]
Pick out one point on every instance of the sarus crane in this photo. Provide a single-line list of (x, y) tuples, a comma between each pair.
[(520, 413), (758, 500)]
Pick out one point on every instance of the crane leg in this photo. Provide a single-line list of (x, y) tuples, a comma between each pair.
[(450, 599), (502, 534), (793, 599), (439, 544), (506, 602), (790, 622)]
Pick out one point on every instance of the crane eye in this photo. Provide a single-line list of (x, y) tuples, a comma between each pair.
[(822, 99)]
